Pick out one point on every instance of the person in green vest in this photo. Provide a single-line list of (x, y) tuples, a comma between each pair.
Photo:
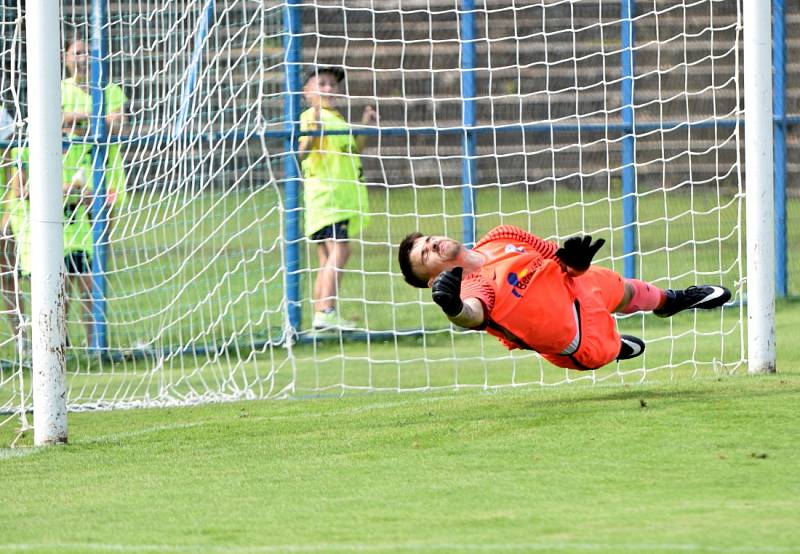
[(78, 244), (8, 261), (8, 258), (336, 204), (76, 107)]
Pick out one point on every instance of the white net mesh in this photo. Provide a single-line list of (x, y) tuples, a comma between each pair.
[(197, 294)]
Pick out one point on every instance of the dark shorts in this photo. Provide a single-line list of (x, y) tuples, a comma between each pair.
[(77, 263), (335, 231)]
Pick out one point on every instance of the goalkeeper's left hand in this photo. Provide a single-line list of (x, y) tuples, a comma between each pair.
[(446, 291), (577, 254)]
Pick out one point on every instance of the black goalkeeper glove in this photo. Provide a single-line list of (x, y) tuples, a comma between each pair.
[(446, 291), (578, 252)]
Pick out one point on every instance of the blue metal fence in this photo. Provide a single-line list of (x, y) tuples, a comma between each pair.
[(779, 137), (629, 219), (98, 79), (292, 41), (469, 167)]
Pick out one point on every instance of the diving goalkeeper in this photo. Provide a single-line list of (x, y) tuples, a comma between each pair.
[(531, 294)]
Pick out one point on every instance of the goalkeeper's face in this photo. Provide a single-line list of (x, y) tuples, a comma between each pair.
[(433, 254)]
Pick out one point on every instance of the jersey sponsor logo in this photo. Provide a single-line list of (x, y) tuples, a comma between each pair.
[(519, 281), (514, 248)]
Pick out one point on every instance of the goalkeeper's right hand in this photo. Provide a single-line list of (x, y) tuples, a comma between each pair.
[(446, 291), (577, 253)]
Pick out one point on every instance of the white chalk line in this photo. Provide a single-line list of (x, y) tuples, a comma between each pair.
[(398, 547)]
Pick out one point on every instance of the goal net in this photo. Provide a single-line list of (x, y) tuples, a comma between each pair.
[(616, 119)]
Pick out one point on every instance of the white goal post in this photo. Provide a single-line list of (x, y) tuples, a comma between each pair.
[(46, 219), (618, 119), (760, 197)]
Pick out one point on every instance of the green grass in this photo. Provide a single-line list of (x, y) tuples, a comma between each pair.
[(704, 465), (688, 461)]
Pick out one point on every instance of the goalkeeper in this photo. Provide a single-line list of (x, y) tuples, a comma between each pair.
[(531, 294)]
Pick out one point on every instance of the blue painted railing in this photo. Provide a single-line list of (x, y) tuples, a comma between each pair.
[(779, 137), (470, 129), (469, 166), (98, 79), (291, 172), (629, 219), (190, 84)]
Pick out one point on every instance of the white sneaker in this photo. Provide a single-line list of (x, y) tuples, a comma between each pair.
[(330, 321)]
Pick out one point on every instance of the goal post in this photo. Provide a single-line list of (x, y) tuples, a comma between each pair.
[(46, 215), (760, 170)]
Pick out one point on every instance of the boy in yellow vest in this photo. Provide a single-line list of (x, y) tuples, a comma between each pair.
[(336, 202)]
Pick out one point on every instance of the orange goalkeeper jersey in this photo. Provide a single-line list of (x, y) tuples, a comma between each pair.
[(530, 302)]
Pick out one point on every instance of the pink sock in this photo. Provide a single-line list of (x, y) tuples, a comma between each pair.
[(646, 297)]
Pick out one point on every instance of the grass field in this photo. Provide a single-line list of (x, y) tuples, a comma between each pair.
[(707, 464), (666, 453), (702, 466)]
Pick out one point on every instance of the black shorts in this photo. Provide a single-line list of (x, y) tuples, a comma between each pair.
[(77, 263), (335, 231)]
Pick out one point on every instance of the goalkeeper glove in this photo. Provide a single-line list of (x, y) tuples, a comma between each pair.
[(578, 252), (446, 291)]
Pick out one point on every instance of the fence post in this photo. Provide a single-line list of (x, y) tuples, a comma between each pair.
[(98, 79), (469, 165), (291, 116), (627, 13), (779, 109)]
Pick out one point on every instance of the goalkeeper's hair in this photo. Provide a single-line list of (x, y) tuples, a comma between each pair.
[(404, 257)]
